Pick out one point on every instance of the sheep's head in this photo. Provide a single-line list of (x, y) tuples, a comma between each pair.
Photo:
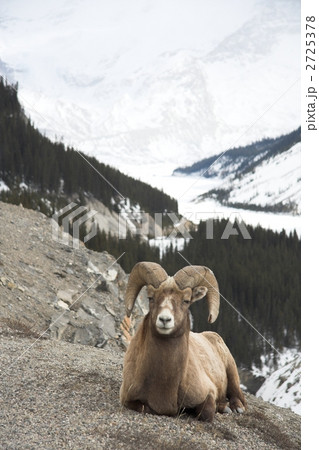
[(170, 297), (169, 305)]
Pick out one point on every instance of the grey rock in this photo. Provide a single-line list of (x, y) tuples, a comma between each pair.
[(50, 255), (62, 304), (113, 289), (84, 316), (111, 275), (67, 249), (92, 268), (58, 325), (83, 336), (68, 296), (91, 309), (89, 335), (109, 310), (107, 325)]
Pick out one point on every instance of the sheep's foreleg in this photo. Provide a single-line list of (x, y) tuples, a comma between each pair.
[(206, 410)]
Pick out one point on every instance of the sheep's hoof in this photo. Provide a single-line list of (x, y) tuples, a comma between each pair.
[(236, 405), (227, 410), (238, 409)]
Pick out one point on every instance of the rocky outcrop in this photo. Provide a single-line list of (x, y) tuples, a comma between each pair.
[(56, 290)]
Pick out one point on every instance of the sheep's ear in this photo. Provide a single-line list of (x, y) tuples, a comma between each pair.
[(198, 293)]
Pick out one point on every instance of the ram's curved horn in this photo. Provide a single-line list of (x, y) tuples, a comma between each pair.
[(192, 276), (143, 273)]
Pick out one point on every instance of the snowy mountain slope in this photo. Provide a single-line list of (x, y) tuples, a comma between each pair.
[(274, 182), (193, 87), (262, 176), (242, 159), (282, 387)]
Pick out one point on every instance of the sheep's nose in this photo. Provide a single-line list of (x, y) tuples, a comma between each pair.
[(165, 319), (165, 322)]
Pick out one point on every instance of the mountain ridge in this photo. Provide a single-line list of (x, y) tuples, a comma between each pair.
[(264, 148)]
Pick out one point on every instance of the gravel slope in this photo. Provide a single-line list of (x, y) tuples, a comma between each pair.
[(60, 395)]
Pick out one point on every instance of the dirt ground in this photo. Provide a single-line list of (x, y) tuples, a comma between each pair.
[(60, 395)]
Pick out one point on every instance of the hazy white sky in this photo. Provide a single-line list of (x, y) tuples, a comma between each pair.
[(145, 26)]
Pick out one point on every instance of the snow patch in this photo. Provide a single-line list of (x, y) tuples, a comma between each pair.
[(165, 243), (3, 186), (283, 386)]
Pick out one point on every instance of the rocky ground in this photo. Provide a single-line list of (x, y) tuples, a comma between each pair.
[(56, 392), (49, 287)]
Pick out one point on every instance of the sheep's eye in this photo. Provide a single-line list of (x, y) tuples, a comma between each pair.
[(150, 298), (187, 302)]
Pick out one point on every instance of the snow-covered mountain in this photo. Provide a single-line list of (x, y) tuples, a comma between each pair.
[(263, 176), (151, 86), (169, 82), (275, 184)]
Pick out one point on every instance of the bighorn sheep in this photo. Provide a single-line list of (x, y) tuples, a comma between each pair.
[(167, 367)]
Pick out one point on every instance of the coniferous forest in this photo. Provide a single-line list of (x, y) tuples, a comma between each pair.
[(259, 278)]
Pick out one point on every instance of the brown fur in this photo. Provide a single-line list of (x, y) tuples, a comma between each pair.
[(165, 373)]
